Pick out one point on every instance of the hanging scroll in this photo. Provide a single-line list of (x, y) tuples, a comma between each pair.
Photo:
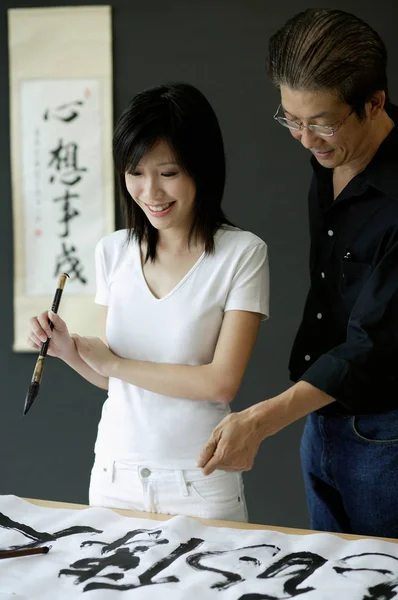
[(62, 177)]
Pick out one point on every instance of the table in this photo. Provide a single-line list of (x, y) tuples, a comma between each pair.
[(213, 523)]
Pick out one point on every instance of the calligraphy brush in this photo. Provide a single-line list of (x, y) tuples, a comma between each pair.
[(38, 370), (24, 552)]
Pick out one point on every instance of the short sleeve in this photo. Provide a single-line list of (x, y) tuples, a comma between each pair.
[(250, 286), (102, 290)]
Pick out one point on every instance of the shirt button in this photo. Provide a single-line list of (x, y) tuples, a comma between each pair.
[(330, 232), (323, 275), (145, 472), (307, 357), (319, 316)]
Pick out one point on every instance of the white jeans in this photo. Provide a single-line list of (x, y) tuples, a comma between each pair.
[(118, 484)]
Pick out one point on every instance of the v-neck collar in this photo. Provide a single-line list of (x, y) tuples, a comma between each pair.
[(176, 287)]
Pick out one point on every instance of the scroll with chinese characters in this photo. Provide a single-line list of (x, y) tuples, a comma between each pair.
[(61, 160)]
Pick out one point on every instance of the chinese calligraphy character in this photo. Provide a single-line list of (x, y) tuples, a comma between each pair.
[(37, 538), (66, 261), (64, 112), (64, 160), (69, 213)]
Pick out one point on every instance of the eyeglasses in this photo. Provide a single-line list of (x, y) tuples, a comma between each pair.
[(323, 130)]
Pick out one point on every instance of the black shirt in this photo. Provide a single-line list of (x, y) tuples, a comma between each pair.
[(347, 343)]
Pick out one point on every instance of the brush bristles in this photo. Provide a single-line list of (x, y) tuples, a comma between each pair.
[(31, 395)]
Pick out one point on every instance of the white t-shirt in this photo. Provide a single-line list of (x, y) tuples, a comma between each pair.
[(180, 328)]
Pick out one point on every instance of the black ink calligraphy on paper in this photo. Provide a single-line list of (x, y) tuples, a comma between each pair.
[(290, 575), (65, 169), (64, 160), (125, 564), (68, 212), (231, 578), (294, 569), (40, 537), (125, 557), (124, 554), (65, 112), (299, 567), (68, 262)]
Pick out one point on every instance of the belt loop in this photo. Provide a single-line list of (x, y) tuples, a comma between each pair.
[(107, 466), (111, 469), (182, 482)]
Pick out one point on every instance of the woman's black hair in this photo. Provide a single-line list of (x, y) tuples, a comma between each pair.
[(179, 114)]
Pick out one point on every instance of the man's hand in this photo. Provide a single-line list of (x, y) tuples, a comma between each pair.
[(233, 445), (235, 441)]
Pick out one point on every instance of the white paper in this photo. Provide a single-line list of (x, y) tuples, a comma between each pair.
[(140, 559), (62, 183)]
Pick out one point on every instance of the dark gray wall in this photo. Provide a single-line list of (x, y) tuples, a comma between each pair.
[(219, 46)]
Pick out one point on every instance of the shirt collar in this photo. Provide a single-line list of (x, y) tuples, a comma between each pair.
[(382, 171)]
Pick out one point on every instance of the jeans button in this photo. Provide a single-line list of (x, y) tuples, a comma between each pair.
[(145, 472)]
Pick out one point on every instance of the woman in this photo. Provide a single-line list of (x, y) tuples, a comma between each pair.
[(183, 293)]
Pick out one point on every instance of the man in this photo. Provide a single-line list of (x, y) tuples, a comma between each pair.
[(330, 68)]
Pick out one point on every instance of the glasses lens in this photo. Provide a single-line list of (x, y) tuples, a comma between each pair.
[(320, 130), (287, 123)]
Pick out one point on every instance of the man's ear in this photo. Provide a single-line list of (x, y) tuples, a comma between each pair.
[(377, 104)]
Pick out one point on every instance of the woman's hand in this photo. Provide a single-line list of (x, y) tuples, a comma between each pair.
[(61, 343), (95, 354)]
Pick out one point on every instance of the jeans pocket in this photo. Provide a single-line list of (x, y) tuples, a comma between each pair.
[(116, 485), (377, 428), (221, 489), (125, 476)]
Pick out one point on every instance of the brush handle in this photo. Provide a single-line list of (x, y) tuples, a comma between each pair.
[(54, 308), (24, 552), (38, 370)]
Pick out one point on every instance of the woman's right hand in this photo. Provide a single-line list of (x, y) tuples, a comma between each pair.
[(61, 343)]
